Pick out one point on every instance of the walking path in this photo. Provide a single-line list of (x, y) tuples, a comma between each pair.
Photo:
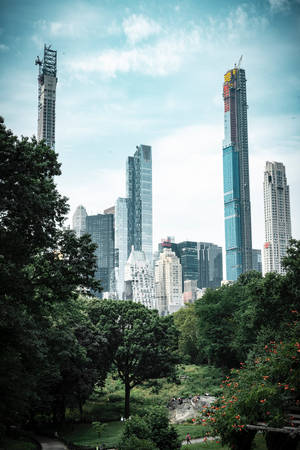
[(50, 444), (199, 440)]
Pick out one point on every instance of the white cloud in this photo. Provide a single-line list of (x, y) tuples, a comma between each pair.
[(3, 48), (165, 57), (139, 27), (279, 5)]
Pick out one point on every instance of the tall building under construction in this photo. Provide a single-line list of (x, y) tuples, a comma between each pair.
[(237, 209), (47, 96)]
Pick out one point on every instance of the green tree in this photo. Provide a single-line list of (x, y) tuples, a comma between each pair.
[(142, 345), (154, 428), (41, 269), (262, 390), (185, 320)]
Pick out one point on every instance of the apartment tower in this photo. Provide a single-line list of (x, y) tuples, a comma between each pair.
[(277, 216), (47, 96), (237, 209)]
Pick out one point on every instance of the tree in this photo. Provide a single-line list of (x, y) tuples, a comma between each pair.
[(142, 345), (153, 428), (262, 390), (41, 269), (185, 321)]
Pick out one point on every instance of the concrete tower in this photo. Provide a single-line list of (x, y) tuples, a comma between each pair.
[(277, 216), (47, 96), (168, 282), (237, 208), (79, 221)]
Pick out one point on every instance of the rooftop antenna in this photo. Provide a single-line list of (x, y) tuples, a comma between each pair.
[(239, 63)]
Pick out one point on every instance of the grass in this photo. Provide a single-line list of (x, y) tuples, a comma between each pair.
[(211, 445), (196, 431), (84, 434), (107, 405), (18, 444)]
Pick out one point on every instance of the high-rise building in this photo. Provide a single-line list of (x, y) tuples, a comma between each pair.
[(121, 243), (256, 260), (168, 283), (237, 207), (101, 229), (79, 221), (139, 193), (139, 280), (277, 216), (47, 96), (200, 261), (188, 256), (210, 265)]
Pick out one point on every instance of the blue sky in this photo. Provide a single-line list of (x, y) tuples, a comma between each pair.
[(133, 72)]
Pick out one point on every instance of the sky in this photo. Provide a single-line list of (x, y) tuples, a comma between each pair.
[(151, 72)]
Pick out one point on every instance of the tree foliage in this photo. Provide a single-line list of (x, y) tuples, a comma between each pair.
[(47, 344), (142, 345), (151, 429)]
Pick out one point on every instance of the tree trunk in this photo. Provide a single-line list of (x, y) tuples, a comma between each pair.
[(127, 400)]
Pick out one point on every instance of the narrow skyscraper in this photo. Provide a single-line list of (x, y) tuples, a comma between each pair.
[(237, 207), (47, 96), (277, 216), (121, 244), (139, 193)]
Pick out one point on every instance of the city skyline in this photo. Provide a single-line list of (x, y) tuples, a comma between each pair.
[(136, 77)]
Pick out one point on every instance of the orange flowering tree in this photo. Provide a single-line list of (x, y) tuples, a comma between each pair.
[(262, 390)]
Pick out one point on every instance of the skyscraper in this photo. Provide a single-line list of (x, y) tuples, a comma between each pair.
[(210, 265), (79, 220), (139, 193), (139, 281), (101, 229), (237, 208), (277, 216), (47, 96), (121, 243), (168, 283), (256, 260)]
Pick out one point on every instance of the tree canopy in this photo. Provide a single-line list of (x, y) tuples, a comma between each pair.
[(142, 344)]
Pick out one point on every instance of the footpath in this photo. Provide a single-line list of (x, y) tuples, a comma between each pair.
[(199, 440), (50, 444)]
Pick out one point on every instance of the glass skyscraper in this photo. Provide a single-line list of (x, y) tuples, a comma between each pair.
[(101, 229), (237, 209), (139, 193)]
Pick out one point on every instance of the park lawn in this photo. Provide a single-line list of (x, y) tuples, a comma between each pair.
[(196, 431), (84, 434), (211, 445), (18, 444)]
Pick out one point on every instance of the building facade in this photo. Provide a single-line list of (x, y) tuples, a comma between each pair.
[(47, 81), (79, 221), (200, 261), (277, 216), (168, 283), (139, 280), (210, 265), (121, 244), (257, 260), (237, 208), (139, 194), (101, 229)]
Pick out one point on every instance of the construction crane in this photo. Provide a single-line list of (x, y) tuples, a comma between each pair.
[(239, 63)]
